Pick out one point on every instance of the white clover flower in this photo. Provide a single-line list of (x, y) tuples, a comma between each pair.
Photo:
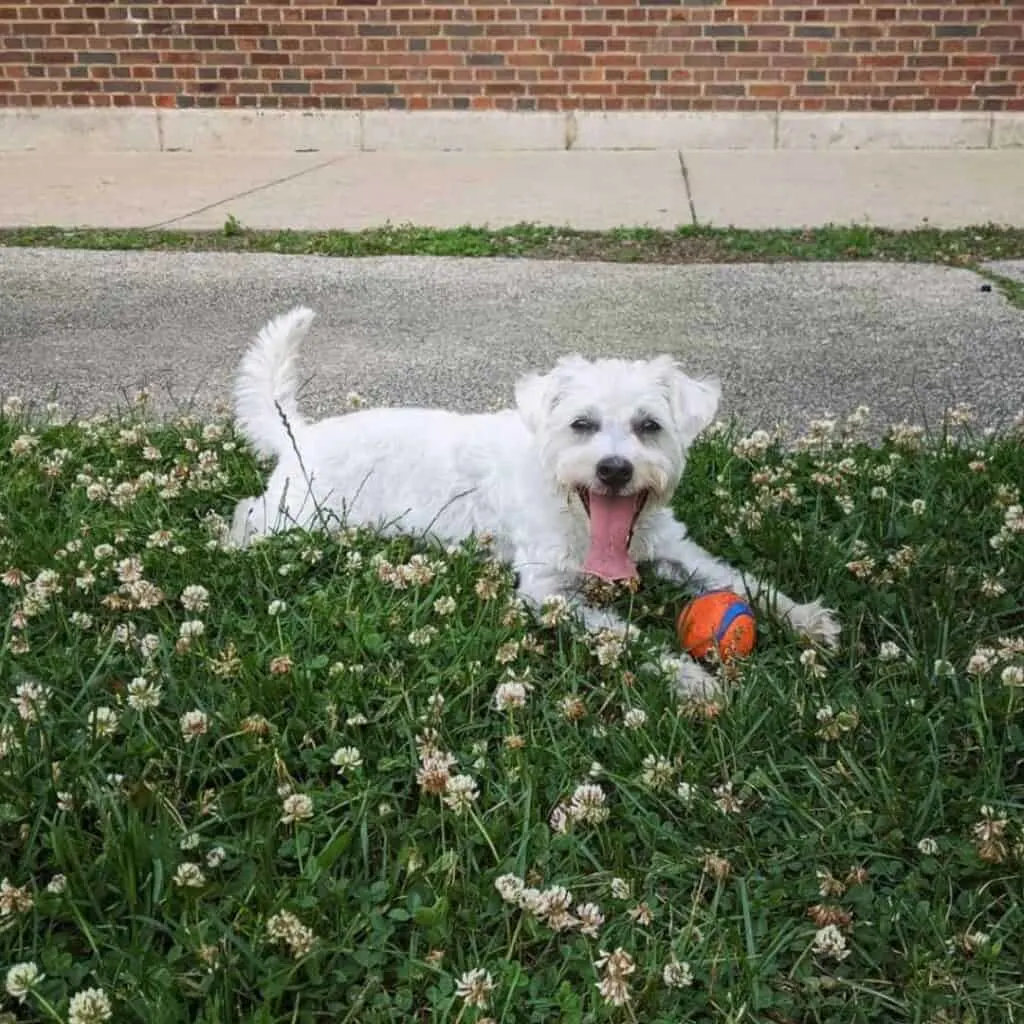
[(616, 967), (657, 772), (195, 598), (558, 820), (686, 793), (554, 902), (928, 846), (143, 694), (635, 718), (510, 887), (727, 801), (676, 974), (287, 928), (189, 876), (809, 660), (753, 446), (511, 695), (90, 1006), (129, 570), (889, 651), (423, 637), (590, 918), (460, 793), (14, 899), (296, 807), (31, 699), (588, 804), (103, 722), (554, 610), (507, 652), (24, 444), (608, 647), (346, 759), (572, 708), (474, 987), (21, 978), (194, 723), (1013, 675), (830, 942), (641, 914), (981, 662)]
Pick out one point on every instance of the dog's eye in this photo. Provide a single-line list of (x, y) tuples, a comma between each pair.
[(583, 425), (648, 426)]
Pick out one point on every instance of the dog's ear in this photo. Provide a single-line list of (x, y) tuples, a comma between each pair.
[(694, 402), (537, 394), (534, 396)]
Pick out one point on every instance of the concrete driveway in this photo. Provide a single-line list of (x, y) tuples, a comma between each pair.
[(790, 341)]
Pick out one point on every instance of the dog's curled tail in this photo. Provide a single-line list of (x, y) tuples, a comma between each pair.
[(265, 405)]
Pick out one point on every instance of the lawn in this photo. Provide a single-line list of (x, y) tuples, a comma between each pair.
[(346, 779)]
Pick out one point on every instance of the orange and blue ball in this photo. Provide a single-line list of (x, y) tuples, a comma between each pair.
[(718, 621)]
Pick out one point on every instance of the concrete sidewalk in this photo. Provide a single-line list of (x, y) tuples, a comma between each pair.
[(579, 189)]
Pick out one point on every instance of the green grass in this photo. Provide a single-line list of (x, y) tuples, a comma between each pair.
[(682, 245), (857, 774)]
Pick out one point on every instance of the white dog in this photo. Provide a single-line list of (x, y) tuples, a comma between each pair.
[(576, 481)]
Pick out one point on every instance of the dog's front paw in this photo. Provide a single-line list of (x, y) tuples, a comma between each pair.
[(597, 620), (693, 680), (688, 679), (816, 623)]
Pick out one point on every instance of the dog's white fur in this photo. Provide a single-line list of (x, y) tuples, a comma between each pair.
[(512, 474)]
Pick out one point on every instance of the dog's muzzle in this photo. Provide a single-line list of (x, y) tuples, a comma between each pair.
[(614, 472)]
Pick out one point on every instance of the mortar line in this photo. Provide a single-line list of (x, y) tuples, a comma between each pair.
[(243, 194), (686, 185)]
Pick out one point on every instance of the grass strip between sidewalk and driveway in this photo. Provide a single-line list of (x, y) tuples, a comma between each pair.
[(964, 247), (629, 245)]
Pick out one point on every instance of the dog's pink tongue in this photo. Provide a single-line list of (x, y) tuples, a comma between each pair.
[(611, 518)]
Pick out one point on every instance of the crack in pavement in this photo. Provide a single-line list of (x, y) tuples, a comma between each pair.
[(244, 193), (686, 184)]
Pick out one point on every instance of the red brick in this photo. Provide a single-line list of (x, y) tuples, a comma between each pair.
[(518, 54)]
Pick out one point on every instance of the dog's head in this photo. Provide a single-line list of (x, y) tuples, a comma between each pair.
[(614, 434)]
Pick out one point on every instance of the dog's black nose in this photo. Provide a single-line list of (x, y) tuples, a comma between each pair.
[(614, 471)]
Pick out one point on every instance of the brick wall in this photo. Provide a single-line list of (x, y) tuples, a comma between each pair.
[(877, 55)]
